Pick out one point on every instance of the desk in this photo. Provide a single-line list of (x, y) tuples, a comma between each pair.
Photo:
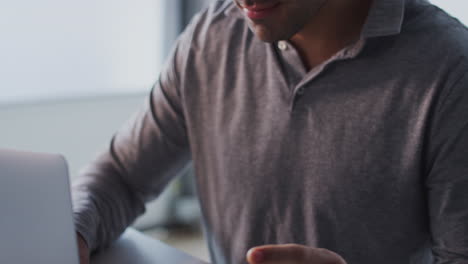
[(135, 248)]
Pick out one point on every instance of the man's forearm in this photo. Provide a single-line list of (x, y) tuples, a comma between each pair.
[(104, 204)]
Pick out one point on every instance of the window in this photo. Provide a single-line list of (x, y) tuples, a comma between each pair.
[(456, 8), (53, 49)]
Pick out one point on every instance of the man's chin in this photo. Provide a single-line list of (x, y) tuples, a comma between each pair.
[(266, 35)]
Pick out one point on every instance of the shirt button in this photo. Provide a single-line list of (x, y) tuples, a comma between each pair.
[(300, 91), (282, 45)]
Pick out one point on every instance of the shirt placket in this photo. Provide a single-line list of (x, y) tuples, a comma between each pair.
[(298, 78)]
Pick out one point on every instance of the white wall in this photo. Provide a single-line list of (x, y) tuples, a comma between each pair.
[(75, 128), (66, 48)]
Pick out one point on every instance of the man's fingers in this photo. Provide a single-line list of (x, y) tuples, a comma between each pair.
[(292, 254), (83, 250), (278, 254)]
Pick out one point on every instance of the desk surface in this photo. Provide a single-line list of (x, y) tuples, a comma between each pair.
[(135, 248)]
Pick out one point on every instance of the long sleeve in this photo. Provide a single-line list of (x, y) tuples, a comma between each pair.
[(447, 180), (141, 159)]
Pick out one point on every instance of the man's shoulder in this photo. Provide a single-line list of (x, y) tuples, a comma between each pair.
[(219, 22), (212, 41), (220, 11), (432, 45), (438, 50), (437, 32), (450, 33)]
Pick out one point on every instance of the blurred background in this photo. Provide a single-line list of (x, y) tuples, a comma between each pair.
[(71, 72)]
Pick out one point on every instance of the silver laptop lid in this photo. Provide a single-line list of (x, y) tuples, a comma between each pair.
[(36, 223)]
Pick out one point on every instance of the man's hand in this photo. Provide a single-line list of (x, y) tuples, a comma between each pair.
[(83, 249), (292, 254)]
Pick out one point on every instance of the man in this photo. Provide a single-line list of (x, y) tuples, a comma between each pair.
[(321, 131)]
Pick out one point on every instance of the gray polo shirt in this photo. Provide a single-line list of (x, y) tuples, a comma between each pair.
[(365, 155)]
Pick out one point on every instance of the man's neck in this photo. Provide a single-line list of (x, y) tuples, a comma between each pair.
[(338, 24)]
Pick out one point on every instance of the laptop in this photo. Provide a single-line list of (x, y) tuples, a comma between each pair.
[(36, 224)]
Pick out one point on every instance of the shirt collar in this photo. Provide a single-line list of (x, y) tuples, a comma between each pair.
[(385, 17)]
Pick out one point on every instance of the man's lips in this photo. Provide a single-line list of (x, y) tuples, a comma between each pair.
[(259, 11)]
